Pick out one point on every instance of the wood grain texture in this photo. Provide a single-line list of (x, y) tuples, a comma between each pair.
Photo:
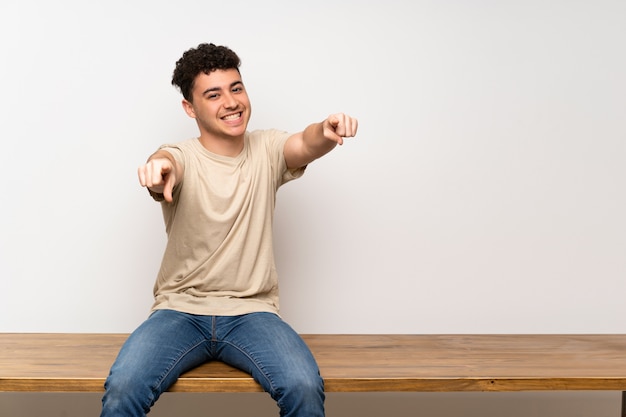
[(348, 363)]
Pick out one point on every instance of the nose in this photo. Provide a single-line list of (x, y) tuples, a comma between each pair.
[(229, 101)]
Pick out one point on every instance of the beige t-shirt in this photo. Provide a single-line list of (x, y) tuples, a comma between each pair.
[(219, 256)]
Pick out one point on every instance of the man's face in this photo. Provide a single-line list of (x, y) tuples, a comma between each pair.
[(220, 104)]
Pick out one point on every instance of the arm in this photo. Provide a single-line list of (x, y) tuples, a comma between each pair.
[(160, 174), (318, 139)]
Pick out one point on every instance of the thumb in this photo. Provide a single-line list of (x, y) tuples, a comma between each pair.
[(335, 129), (333, 121)]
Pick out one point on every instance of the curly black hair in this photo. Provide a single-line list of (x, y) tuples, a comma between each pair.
[(206, 58)]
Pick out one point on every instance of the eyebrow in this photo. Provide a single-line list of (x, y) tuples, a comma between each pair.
[(209, 90)]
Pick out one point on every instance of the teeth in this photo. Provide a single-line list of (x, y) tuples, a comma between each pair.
[(232, 116)]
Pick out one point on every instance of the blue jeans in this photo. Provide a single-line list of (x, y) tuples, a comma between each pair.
[(169, 343)]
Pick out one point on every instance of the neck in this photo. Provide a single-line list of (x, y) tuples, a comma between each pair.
[(230, 147)]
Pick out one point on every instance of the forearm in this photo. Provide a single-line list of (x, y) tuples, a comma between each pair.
[(318, 139), (315, 142)]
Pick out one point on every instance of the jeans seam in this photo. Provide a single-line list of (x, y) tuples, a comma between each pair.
[(168, 370), (256, 365)]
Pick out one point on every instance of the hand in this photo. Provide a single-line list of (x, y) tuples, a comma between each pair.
[(158, 174), (339, 126)]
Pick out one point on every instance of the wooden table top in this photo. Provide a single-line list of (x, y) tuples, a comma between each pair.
[(349, 363)]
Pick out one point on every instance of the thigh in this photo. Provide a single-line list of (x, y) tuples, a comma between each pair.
[(167, 344), (265, 346)]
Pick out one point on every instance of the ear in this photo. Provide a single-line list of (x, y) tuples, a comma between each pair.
[(188, 107)]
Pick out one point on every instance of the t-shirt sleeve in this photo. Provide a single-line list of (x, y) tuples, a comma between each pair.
[(175, 151), (278, 139)]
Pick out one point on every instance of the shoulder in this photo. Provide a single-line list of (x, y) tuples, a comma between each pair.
[(179, 149), (188, 144), (268, 138)]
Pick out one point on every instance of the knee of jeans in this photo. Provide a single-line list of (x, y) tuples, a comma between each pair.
[(304, 385), (302, 396), (127, 390)]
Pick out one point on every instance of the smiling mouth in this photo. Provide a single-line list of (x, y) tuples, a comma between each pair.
[(232, 116)]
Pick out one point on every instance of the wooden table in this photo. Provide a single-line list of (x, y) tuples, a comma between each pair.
[(348, 363)]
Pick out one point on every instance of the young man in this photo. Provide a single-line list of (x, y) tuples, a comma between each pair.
[(216, 294)]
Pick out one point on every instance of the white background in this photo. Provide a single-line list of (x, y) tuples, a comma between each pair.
[(484, 193)]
